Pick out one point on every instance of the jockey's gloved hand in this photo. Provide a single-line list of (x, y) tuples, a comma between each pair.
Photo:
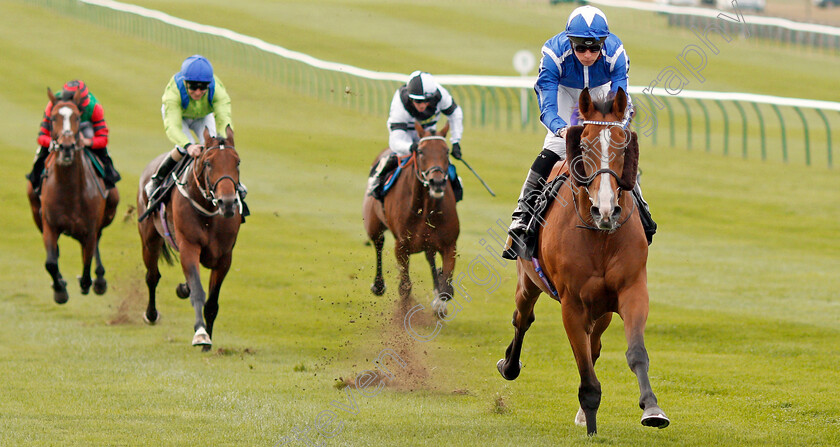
[(561, 132), (456, 151)]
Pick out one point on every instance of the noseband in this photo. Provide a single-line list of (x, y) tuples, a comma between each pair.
[(423, 176)]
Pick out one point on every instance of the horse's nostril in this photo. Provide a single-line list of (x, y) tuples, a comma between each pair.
[(616, 212), (595, 211)]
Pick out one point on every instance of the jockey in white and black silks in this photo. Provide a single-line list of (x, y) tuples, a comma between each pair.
[(420, 100), (585, 55)]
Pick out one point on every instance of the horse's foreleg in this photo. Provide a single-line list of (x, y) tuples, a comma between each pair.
[(443, 281), (59, 285), (601, 325), (211, 309), (527, 294), (579, 329), (88, 250), (633, 308), (378, 286), (403, 257), (430, 257), (99, 284), (151, 252), (190, 265)]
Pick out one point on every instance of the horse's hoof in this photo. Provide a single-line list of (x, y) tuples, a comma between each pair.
[(206, 348), (100, 286), (378, 288), (580, 418), (84, 285), (201, 338), (440, 308), (182, 290), (500, 366), (151, 321), (61, 296), (655, 417)]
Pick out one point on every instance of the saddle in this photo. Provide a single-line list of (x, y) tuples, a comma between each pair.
[(527, 249), (162, 192)]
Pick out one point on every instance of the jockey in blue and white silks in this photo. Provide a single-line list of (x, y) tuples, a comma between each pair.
[(585, 55)]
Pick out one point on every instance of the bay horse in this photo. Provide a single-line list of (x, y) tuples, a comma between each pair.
[(73, 199), (593, 252), (420, 212), (200, 219)]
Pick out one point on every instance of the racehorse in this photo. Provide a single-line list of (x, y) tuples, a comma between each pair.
[(201, 220), (592, 251), (73, 199), (420, 212)]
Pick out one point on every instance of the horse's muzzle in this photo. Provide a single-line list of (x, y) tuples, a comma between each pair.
[(66, 154), (228, 204), (437, 187), (607, 220)]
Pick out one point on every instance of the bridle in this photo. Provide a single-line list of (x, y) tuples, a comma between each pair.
[(210, 193), (423, 176), (618, 179), (54, 145)]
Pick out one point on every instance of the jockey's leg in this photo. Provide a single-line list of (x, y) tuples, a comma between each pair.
[(534, 184), (385, 165), (166, 166), (110, 174), (457, 188), (644, 212), (199, 124), (38, 167)]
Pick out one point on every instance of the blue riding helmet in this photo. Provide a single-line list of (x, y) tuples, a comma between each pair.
[(197, 68), (587, 25)]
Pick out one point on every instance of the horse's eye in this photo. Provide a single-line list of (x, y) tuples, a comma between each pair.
[(206, 164)]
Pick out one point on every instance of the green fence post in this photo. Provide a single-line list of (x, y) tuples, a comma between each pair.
[(670, 121), (807, 139), (782, 126), (827, 134), (761, 126), (708, 125), (725, 127), (655, 120), (687, 121), (743, 128)]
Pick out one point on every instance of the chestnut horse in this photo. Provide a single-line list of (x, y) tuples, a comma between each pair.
[(594, 252), (420, 212), (201, 220), (73, 199)]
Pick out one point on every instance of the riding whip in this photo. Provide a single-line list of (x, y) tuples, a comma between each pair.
[(479, 178)]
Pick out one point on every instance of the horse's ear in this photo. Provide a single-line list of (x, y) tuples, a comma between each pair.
[(444, 130), (229, 135), (206, 134), (420, 132), (631, 162), (51, 95), (77, 98), (585, 105), (620, 103)]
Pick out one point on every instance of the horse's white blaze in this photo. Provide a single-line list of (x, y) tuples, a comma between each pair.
[(66, 112), (605, 193)]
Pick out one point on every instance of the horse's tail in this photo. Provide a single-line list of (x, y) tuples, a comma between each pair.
[(166, 254)]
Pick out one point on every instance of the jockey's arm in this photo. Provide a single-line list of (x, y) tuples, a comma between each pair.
[(44, 136), (100, 128), (546, 87), (400, 125), (173, 115), (619, 79), (222, 108), (454, 114)]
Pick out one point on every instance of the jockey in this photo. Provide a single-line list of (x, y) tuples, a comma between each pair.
[(586, 54), (194, 99), (422, 100), (92, 127)]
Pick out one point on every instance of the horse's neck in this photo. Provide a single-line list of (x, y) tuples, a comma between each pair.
[(73, 176)]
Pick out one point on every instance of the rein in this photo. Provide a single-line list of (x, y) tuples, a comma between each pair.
[(209, 194), (423, 176)]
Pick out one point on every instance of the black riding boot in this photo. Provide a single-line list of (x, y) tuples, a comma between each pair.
[(457, 187), (377, 175), (37, 168), (644, 213), (109, 172), (162, 171), (534, 184)]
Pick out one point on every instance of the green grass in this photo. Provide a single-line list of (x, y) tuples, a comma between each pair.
[(742, 331)]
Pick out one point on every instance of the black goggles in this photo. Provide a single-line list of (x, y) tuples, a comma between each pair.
[(193, 85), (590, 48)]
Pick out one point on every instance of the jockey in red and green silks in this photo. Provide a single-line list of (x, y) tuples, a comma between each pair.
[(92, 126), (194, 99)]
